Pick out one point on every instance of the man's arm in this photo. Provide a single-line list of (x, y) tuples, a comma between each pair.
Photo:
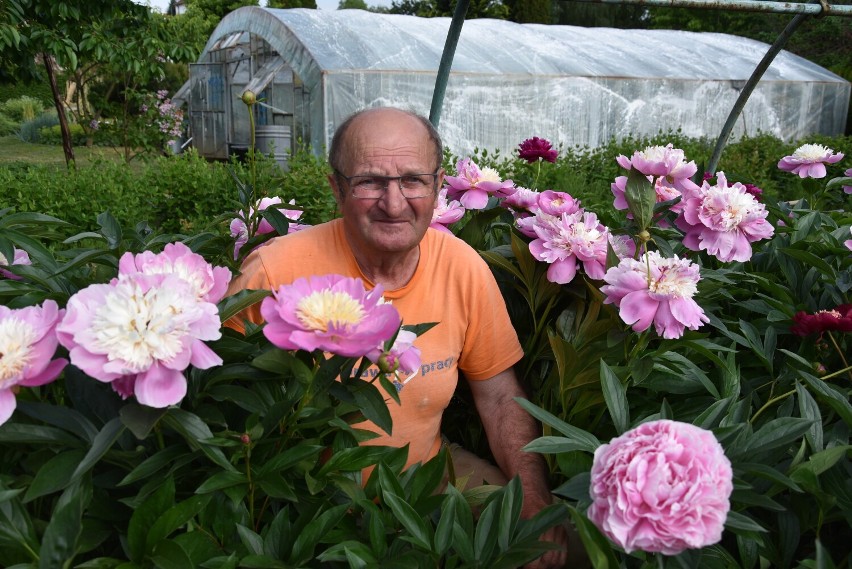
[(509, 428)]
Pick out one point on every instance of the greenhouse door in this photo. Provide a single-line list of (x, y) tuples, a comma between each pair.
[(207, 109)]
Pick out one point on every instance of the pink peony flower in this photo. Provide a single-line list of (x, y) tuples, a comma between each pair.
[(535, 148), (240, 231), (142, 330), (27, 344), (809, 160), (656, 290), (209, 283), (662, 487), (446, 212), (663, 190), (402, 355), (556, 203), (723, 220), (848, 174), (661, 161), (21, 258), (569, 239), (330, 313), (848, 242), (473, 186), (524, 200)]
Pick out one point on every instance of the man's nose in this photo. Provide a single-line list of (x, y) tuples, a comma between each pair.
[(393, 199)]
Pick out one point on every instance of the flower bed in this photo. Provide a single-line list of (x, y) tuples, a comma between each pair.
[(689, 365)]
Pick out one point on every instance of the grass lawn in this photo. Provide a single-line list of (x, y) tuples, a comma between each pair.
[(13, 149)]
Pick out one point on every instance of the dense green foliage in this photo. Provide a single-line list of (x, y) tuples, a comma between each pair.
[(186, 192), (258, 465)]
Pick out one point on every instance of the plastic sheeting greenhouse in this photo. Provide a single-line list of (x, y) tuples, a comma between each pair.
[(572, 85)]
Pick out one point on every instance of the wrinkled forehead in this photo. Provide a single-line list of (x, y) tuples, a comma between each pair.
[(386, 136)]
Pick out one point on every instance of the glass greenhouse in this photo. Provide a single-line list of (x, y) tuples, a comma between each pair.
[(572, 85)]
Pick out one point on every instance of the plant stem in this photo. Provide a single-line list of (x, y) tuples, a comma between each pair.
[(770, 402), (847, 369), (250, 484), (840, 353)]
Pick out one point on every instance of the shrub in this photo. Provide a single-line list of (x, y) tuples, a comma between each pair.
[(53, 134), (30, 130), (22, 109), (8, 126)]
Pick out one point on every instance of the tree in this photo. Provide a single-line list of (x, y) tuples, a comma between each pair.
[(218, 9), (352, 5), (435, 8), (292, 4), (530, 11), (624, 16), (120, 42)]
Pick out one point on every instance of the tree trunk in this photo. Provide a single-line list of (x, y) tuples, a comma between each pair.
[(60, 112)]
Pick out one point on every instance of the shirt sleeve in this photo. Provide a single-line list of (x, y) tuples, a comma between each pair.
[(491, 343)]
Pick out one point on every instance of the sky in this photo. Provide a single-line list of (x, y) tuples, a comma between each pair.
[(162, 5)]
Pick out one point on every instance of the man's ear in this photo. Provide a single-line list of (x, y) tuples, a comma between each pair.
[(336, 190)]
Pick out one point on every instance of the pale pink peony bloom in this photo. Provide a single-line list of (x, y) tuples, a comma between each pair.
[(143, 330), (655, 290), (332, 313), (27, 345), (526, 222), (208, 282), (446, 212), (567, 240), (848, 242), (723, 220), (473, 186), (809, 160), (847, 189), (661, 161), (21, 258), (662, 487), (524, 200), (663, 190), (402, 355), (240, 231), (556, 203)]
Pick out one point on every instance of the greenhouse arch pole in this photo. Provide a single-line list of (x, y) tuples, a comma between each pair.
[(749, 86), (447, 61), (802, 11)]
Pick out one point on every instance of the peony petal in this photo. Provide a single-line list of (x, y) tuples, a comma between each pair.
[(47, 375), (7, 404), (638, 310), (160, 387), (203, 357)]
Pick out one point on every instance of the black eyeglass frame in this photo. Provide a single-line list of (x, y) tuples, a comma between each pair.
[(387, 180)]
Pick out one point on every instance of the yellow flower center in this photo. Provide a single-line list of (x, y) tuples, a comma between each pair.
[(16, 337), (321, 308)]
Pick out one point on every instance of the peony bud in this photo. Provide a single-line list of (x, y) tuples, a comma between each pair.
[(249, 98)]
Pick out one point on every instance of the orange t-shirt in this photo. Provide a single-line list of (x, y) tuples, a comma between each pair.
[(452, 286)]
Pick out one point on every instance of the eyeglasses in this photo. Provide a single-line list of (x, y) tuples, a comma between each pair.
[(374, 187)]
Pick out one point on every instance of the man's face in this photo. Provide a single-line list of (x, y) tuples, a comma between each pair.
[(385, 142)]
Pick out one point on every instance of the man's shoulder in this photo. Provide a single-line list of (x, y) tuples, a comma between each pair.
[(310, 236)]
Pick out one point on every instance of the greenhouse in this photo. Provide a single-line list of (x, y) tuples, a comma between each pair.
[(509, 81)]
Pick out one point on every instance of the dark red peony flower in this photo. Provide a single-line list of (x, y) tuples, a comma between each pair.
[(839, 319), (753, 190), (534, 148)]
